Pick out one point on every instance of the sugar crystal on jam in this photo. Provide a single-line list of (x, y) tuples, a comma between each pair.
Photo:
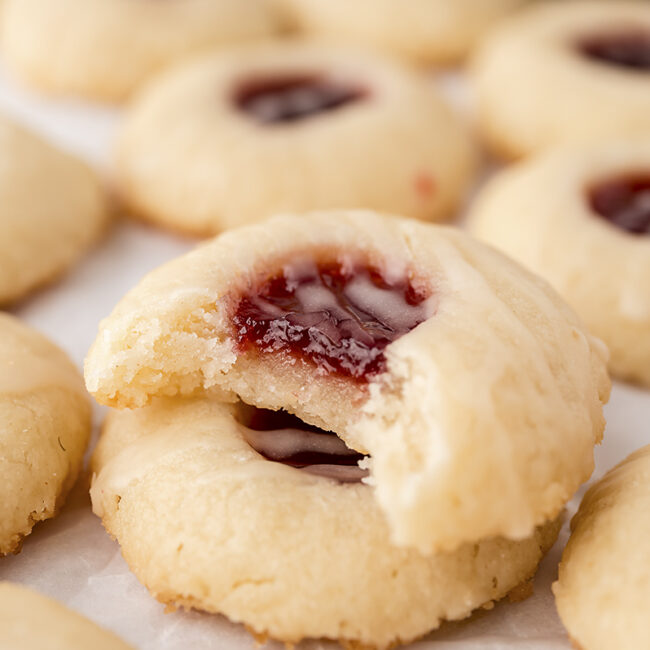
[(338, 316)]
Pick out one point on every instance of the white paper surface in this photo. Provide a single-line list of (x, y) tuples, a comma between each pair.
[(71, 557)]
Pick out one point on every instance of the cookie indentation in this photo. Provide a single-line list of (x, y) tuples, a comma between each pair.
[(624, 201), (284, 438), (339, 316), (627, 49), (292, 98)]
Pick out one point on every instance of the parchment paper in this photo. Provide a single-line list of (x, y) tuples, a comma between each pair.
[(72, 559)]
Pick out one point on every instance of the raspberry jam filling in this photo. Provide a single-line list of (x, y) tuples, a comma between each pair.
[(284, 438), (339, 316), (627, 49), (291, 98), (624, 202)]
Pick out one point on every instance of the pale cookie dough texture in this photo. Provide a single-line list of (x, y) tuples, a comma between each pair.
[(190, 158), (485, 421), (603, 589), (536, 88), (425, 31), (30, 621), (539, 213), (103, 49), (206, 522), (52, 209), (44, 429)]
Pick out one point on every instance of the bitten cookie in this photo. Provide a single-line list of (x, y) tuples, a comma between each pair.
[(427, 31), (476, 391), (52, 208), (44, 429), (29, 621), (206, 520), (580, 217), (565, 72), (289, 126), (103, 49), (603, 589)]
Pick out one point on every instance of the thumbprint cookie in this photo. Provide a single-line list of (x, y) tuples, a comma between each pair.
[(603, 588), (30, 621), (104, 49), (580, 217), (474, 389), (52, 209), (425, 31), (256, 515), (44, 429), (232, 138), (565, 72)]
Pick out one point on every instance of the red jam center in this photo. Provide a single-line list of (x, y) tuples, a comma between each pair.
[(629, 49), (293, 98), (284, 438), (624, 202), (338, 316)]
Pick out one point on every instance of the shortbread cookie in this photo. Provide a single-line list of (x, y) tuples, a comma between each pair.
[(30, 621), (103, 49), (232, 138), (206, 521), (474, 388), (427, 31), (580, 217), (52, 209), (603, 589), (44, 429), (565, 72)]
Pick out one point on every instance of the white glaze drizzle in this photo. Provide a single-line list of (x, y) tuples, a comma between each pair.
[(282, 444)]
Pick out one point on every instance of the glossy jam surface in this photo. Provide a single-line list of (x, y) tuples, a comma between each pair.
[(627, 49), (624, 201), (336, 315), (276, 100), (284, 438)]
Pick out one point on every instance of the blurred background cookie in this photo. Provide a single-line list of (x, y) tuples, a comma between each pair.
[(52, 209), (234, 137), (580, 217), (206, 521), (30, 621), (565, 72), (442, 359), (44, 429), (103, 49), (603, 588), (426, 31)]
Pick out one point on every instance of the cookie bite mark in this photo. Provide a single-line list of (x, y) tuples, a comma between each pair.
[(338, 315), (294, 97), (624, 48), (283, 438), (624, 201)]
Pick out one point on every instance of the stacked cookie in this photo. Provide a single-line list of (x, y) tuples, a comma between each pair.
[(335, 403)]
